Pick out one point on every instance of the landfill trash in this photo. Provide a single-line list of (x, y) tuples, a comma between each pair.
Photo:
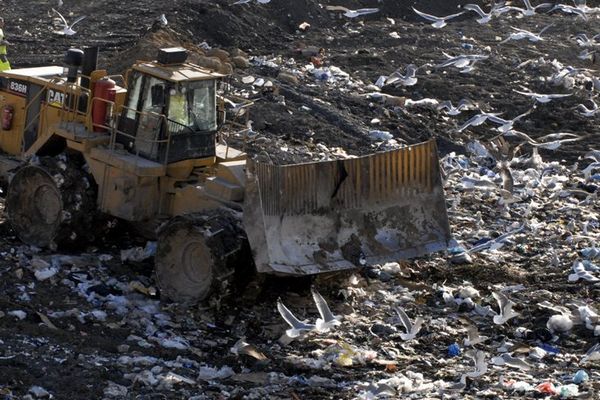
[(411, 329), (453, 350), (580, 377), (139, 253)]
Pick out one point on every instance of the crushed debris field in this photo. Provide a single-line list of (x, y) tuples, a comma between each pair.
[(510, 309)]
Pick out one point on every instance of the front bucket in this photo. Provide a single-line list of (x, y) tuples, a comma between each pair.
[(326, 216)]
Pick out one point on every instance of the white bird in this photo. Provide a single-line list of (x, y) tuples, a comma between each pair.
[(521, 34), (162, 20), (298, 327), (408, 79), (530, 11), (587, 54), (588, 112), (582, 40), (484, 17), (579, 272), (438, 22), (506, 312), (507, 359), (587, 171), (593, 354), (353, 13), (248, 1), (476, 120), (506, 125), (465, 61), (68, 29), (411, 329), (463, 104), (570, 10), (555, 144), (592, 155), (543, 98), (481, 366), (327, 320), (473, 337)]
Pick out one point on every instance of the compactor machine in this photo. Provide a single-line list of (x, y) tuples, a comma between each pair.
[(149, 148)]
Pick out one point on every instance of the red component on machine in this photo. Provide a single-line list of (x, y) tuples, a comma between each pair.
[(103, 90), (7, 117)]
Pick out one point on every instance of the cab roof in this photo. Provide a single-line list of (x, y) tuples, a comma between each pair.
[(177, 72)]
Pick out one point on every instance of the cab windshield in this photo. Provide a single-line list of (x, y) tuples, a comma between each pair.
[(192, 104)]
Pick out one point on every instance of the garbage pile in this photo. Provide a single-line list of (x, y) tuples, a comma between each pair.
[(510, 309)]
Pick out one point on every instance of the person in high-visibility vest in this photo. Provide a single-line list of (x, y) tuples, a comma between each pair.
[(4, 64)]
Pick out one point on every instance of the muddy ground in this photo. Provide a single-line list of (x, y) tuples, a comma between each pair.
[(106, 338)]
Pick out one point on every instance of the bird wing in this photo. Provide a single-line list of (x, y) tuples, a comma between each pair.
[(61, 17), (557, 96), (531, 94), (502, 300), (474, 7), (427, 16), (78, 20), (404, 319), (447, 104), (337, 8), (365, 11), (469, 122), (472, 333), (288, 316), (322, 306)]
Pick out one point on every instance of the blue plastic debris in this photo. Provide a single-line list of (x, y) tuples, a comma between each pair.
[(580, 377), (453, 350)]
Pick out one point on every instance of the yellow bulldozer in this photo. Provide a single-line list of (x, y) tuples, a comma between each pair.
[(149, 148)]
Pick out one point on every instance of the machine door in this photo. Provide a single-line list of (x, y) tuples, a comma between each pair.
[(32, 119), (140, 123)]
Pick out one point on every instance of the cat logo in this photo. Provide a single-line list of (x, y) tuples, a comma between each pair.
[(55, 98)]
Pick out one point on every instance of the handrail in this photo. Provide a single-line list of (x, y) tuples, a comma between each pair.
[(167, 140)]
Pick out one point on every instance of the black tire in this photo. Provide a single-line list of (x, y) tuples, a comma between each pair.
[(197, 255), (52, 203)]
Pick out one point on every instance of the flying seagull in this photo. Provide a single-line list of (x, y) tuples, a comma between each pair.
[(484, 17), (506, 125), (353, 13), (411, 329), (588, 112), (298, 327), (476, 120), (68, 29), (464, 61), (506, 312), (463, 104), (248, 1), (473, 336), (530, 11), (408, 79), (438, 22), (521, 34), (481, 365), (327, 320), (507, 359), (543, 98)]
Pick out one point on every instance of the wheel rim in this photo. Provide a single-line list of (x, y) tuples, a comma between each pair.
[(48, 203), (184, 264), (34, 206)]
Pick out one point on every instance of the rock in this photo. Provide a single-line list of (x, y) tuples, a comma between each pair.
[(239, 53), (240, 62), (221, 54), (212, 63), (286, 77)]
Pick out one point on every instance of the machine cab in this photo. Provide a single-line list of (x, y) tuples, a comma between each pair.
[(170, 113)]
